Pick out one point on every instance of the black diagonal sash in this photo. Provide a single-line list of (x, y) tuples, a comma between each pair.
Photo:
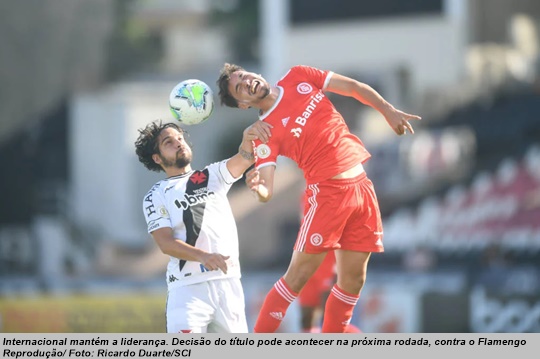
[(193, 215)]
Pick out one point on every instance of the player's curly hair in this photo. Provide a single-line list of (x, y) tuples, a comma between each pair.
[(223, 84), (146, 144)]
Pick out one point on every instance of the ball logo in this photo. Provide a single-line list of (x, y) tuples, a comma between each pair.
[(304, 88), (263, 151), (316, 239), (194, 93)]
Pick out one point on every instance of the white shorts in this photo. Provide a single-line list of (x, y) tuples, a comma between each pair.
[(215, 306)]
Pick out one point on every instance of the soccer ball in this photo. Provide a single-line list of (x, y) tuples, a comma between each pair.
[(191, 102)]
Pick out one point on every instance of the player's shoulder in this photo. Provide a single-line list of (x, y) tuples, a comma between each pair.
[(302, 68), (302, 73), (219, 174), (156, 187), (216, 169), (295, 70), (215, 166)]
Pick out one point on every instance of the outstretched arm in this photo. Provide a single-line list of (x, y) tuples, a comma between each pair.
[(346, 86)]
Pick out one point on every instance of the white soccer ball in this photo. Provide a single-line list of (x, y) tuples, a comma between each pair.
[(191, 102)]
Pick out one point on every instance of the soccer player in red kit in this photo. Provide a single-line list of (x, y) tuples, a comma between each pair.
[(342, 212)]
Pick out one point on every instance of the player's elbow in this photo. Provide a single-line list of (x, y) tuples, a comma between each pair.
[(164, 249)]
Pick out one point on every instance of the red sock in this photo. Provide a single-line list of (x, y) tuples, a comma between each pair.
[(274, 307), (338, 311)]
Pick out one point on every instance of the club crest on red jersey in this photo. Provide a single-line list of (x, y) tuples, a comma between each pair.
[(304, 88)]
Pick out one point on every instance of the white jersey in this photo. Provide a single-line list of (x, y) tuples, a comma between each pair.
[(196, 207)]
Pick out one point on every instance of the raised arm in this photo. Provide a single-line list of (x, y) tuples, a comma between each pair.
[(240, 162), (346, 86)]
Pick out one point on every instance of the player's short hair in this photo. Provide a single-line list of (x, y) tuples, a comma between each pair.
[(222, 82), (147, 144)]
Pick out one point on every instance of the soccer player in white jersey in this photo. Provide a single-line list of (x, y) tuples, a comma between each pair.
[(190, 218)]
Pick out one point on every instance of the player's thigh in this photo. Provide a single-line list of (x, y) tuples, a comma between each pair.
[(231, 313), (324, 217), (189, 309), (363, 230)]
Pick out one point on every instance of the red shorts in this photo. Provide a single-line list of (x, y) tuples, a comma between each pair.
[(320, 282), (341, 214)]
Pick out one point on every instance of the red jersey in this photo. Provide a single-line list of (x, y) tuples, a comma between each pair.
[(308, 129)]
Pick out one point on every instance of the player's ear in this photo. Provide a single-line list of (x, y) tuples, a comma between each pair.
[(243, 106), (156, 158)]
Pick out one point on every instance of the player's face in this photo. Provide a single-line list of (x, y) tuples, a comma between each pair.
[(173, 149), (248, 88)]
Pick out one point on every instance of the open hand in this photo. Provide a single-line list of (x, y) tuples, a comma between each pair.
[(253, 180), (258, 130), (215, 261), (399, 121)]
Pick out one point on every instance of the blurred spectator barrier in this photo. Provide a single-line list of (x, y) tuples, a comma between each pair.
[(83, 314)]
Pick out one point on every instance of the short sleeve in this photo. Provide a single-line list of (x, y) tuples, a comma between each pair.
[(265, 153), (319, 78), (155, 212)]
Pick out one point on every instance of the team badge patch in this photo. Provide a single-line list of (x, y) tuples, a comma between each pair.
[(304, 88), (263, 151), (163, 212), (316, 239)]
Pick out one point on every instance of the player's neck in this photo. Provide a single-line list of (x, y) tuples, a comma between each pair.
[(175, 171), (269, 101)]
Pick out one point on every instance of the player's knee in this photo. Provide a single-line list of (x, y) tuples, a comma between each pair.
[(352, 284), (297, 278)]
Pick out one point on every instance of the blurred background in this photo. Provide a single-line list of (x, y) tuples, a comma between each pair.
[(460, 198)]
